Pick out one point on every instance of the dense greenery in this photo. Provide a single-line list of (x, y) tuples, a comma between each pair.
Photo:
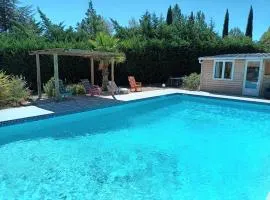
[(169, 18), (106, 43), (155, 48), (13, 90), (76, 89), (265, 40), (191, 82)]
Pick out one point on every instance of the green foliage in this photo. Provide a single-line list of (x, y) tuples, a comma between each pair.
[(192, 81), (265, 40), (225, 31), (177, 15), (7, 14), (18, 90), (249, 30), (11, 12), (76, 89), (236, 32), (169, 18), (93, 23), (4, 87), (147, 24), (107, 43), (191, 19), (153, 50), (13, 89), (49, 88)]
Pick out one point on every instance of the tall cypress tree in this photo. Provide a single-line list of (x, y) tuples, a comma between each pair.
[(169, 19), (249, 30), (225, 31), (191, 18)]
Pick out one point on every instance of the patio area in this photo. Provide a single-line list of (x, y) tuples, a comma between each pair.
[(47, 108)]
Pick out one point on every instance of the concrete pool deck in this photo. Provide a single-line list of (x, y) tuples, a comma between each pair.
[(76, 104)]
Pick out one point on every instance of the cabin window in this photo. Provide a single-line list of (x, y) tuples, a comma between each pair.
[(223, 70), (267, 68), (218, 69)]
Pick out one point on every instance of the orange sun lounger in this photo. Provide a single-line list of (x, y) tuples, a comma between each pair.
[(134, 86)]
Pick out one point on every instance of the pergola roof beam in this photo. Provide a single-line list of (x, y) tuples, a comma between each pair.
[(76, 52)]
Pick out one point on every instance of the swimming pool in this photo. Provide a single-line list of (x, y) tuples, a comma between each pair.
[(172, 147)]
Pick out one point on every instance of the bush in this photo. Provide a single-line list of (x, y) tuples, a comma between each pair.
[(13, 89), (4, 87), (18, 90), (49, 88), (76, 89), (192, 81), (80, 90)]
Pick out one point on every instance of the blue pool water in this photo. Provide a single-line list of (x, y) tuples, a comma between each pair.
[(173, 147)]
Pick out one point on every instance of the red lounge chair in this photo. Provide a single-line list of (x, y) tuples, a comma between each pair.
[(91, 89), (134, 86)]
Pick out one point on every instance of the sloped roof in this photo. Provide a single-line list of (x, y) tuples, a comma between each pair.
[(237, 56)]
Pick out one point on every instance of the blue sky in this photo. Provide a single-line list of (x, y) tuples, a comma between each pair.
[(71, 11)]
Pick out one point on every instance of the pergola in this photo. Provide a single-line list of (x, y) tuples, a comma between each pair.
[(92, 55)]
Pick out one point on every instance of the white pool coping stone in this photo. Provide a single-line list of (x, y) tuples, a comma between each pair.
[(33, 111), (22, 112), (155, 93)]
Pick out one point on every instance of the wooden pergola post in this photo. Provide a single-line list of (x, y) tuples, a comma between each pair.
[(38, 76), (56, 76), (92, 72), (112, 70), (93, 55)]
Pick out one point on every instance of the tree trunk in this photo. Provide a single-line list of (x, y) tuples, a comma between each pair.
[(105, 79)]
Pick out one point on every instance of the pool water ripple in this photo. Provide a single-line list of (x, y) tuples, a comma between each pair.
[(176, 147)]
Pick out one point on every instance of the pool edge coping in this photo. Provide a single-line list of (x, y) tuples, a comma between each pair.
[(52, 115)]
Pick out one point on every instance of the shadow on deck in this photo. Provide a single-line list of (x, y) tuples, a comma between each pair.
[(75, 104)]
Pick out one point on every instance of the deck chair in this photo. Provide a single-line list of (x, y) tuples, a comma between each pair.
[(113, 88), (134, 86), (89, 88)]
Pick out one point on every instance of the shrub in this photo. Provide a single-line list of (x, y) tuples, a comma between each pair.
[(4, 87), (49, 88), (18, 90), (192, 81), (76, 89), (80, 90), (13, 89)]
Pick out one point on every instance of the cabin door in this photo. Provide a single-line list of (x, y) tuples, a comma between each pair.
[(252, 78)]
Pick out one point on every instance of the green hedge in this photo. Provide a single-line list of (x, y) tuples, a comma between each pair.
[(151, 62)]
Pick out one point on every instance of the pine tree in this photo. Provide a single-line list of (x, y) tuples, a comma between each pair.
[(146, 24), (236, 33), (177, 15), (249, 30), (169, 19), (93, 23), (7, 14), (225, 32), (211, 24)]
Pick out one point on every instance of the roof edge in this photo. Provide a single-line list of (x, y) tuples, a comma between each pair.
[(233, 58)]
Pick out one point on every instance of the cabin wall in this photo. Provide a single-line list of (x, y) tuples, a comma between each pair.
[(266, 77), (209, 84)]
